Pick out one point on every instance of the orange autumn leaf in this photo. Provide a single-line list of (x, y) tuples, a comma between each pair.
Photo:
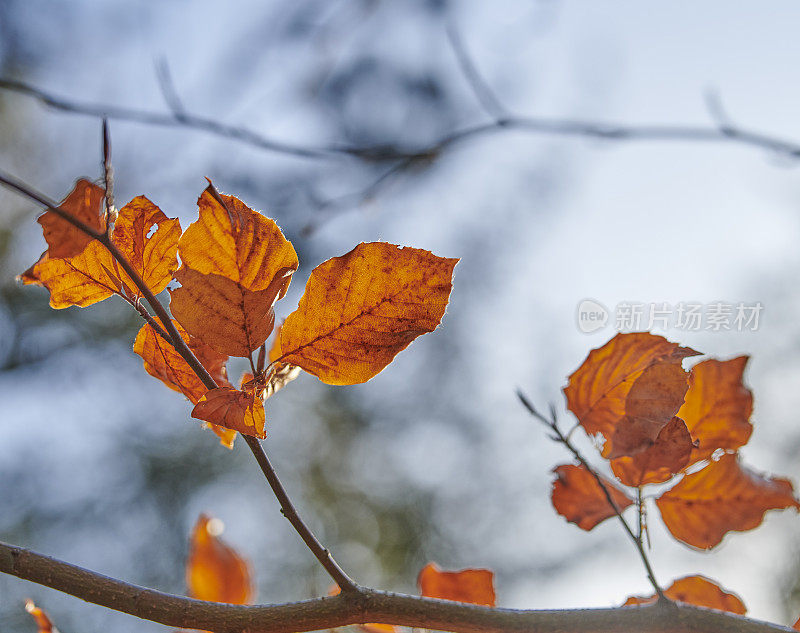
[(83, 203), (699, 591), (597, 392), (81, 280), (235, 265), (361, 309), (42, 619), (93, 275), (163, 362), (796, 625), (236, 242), (214, 571), (231, 319), (717, 407), (241, 411), (722, 497), (475, 586), (664, 458), (154, 257), (579, 498)]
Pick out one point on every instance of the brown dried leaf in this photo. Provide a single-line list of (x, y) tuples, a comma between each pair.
[(361, 309), (241, 411), (699, 591), (597, 393), (579, 498), (722, 497), (83, 203), (663, 459)]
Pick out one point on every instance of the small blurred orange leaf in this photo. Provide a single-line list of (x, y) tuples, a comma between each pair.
[(214, 570), (579, 498), (717, 407), (597, 392), (363, 308), (722, 497), (41, 618), (83, 203), (241, 411), (699, 591), (475, 586), (667, 456)]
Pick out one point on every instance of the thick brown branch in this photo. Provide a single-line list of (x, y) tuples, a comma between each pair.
[(358, 607)]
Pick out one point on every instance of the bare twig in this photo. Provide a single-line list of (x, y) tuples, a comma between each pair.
[(366, 605), (559, 436), (108, 178), (578, 128), (182, 348), (168, 91), (486, 97)]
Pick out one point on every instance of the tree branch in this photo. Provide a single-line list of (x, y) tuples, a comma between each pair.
[(581, 128), (364, 605)]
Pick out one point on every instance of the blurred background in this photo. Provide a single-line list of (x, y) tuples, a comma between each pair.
[(434, 459)]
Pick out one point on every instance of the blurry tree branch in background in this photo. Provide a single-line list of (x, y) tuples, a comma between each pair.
[(397, 159)]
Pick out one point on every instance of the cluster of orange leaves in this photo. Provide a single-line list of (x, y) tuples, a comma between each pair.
[(660, 424), (357, 313)]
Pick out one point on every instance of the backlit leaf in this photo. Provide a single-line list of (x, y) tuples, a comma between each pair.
[(475, 586), (81, 280), (597, 393), (718, 406), (241, 411), (231, 319), (579, 498), (163, 362), (361, 309), (214, 571), (699, 591), (43, 621), (724, 496), (665, 457), (236, 242), (235, 265), (154, 257), (84, 203)]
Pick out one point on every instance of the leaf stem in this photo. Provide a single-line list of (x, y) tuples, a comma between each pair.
[(559, 437)]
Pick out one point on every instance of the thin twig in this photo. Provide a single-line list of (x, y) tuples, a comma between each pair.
[(108, 178), (182, 348), (483, 93), (168, 91), (579, 128), (367, 605), (552, 424), (346, 584)]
